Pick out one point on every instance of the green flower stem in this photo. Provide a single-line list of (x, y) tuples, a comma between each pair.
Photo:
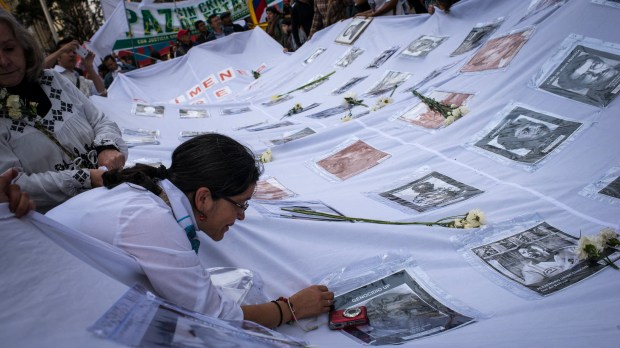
[(611, 263), (307, 84), (372, 221), (434, 105)]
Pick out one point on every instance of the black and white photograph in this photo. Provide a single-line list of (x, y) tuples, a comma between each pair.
[(293, 136), (430, 76), (399, 310), (498, 52), (527, 136), (431, 191), (276, 101), (270, 126), (274, 209), (139, 109), (349, 56), (538, 6), (235, 111), (611, 3), (329, 112), (586, 75), (389, 81), (382, 57), (349, 84), (353, 30), (314, 55), (612, 190), (422, 46), (185, 135), (476, 37), (542, 258), (193, 113)]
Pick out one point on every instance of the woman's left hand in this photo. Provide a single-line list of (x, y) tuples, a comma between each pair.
[(111, 159)]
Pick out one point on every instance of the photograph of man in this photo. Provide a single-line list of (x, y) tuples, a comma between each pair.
[(349, 57), (542, 264), (353, 31), (382, 57), (613, 189), (388, 82), (527, 136), (586, 75), (497, 53), (349, 84), (422, 46), (476, 37)]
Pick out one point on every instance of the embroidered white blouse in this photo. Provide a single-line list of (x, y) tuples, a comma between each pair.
[(49, 175), (139, 222)]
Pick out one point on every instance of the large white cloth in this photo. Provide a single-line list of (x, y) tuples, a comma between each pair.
[(85, 86), (143, 225), (49, 175)]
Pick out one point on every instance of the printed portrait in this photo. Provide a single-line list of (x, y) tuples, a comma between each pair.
[(353, 30), (422, 46), (497, 53), (421, 115), (352, 160)]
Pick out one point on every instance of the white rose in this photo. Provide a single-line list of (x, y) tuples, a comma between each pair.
[(346, 118), (15, 113), (463, 109), (265, 157), (606, 234), (476, 215), (458, 223), (448, 121), (583, 243), (456, 113), (12, 101)]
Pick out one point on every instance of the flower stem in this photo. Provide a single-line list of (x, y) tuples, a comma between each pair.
[(307, 84), (611, 263)]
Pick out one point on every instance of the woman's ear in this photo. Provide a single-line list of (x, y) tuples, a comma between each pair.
[(202, 199)]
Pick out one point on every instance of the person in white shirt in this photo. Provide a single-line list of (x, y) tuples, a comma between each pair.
[(154, 215), (64, 61), (543, 264)]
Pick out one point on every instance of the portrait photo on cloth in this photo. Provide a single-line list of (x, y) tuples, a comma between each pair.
[(477, 36), (353, 30), (270, 188), (235, 111), (586, 75), (193, 113), (349, 84), (273, 208), (541, 258), (498, 53), (294, 135), (314, 55), (527, 136), (399, 310), (140, 109), (350, 160), (349, 57), (422, 46), (429, 192), (382, 57), (421, 115), (389, 81)]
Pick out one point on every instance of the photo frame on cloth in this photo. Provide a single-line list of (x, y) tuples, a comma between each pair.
[(270, 188), (422, 46), (140, 109), (524, 136), (349, 84), (428, 192), (293, 135), (477, 36), (353, 31), (612, 3), (606, 188), (262, 127), (314, 55), (498, 52), (193, 113), (390, 80), (401, 308), (539, 259), (421, 115), (350, 158), (235, 111), (274, 209)]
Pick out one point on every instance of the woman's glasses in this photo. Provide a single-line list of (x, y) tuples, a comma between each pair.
[(243, 206)]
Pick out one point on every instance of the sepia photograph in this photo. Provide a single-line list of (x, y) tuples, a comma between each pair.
[(477, 36), (422, 46), (352, 160), (271, 189), (353, 30), (542, 258), (586, 75), (399, 310), (431, 191), (497, 53), (421, 115), (390, 80), (349, 84), (139, 109), (382, 57), (527, 136), (349, 56)]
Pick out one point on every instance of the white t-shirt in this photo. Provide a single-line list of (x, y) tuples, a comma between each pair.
[(140, 223)]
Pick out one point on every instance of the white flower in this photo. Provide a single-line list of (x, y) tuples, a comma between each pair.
[(471, 224), (606, 234), (463, 110), (456, 113), (448, 121), (584, 242), (346, 118), (12, 101), (459, 223), (266, 156), (375, 107), (3, 93), (476, 215), (386, 101), (297, 106), (453, 106), (15, 113), (275, 97)]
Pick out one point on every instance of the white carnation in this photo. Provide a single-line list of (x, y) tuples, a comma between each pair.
[(266, 156)]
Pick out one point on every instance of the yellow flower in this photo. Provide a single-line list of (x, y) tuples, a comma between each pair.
[(266, 156), (275, 97)]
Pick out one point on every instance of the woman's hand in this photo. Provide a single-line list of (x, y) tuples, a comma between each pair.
[(19, 202), (111, 159), (312, 301)]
